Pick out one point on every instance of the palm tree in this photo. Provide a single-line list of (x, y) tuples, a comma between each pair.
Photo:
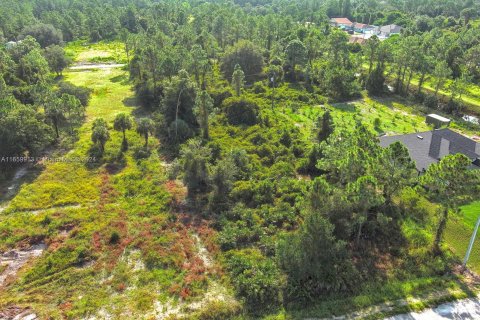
[(145, 127), (100, 134), (123, 123)]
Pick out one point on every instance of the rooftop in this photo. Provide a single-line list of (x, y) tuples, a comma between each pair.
[(391, 28), (429, 147), (341, 21), (360, 25)]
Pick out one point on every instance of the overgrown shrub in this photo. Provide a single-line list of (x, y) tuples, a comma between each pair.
[(179, 131), (256, 278), (430, 101), (83, 94), (301, 253), (247, 55), (219, 96), (241, 111), (219, 310), (376, 82), (114, 238), (258, 88)]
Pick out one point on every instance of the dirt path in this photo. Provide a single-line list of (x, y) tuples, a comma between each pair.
[(202, 251), (461, 309), (13, 260), (17, 313), (37, 211), (19, 173), (91, 66), (12, 188)]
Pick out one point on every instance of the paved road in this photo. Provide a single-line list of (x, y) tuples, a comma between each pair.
[(457, 310)]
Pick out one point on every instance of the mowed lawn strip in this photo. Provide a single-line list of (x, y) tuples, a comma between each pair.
[(65, 183)]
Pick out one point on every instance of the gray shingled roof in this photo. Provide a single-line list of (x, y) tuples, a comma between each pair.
[(429, 147), (391, 28)]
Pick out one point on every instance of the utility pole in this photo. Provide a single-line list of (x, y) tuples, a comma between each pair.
[(470, 245)]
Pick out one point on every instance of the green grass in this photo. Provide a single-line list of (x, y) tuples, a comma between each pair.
[(471, 98), (395, 116), (470, 214), (377, 294), (459, 231), (128, 198), (457, 238), (83, 51), (73, 183)]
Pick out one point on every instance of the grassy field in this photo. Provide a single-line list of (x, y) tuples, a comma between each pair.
[(83, 51), (459, 231), (113, 246), (73, 183), (391, 115)]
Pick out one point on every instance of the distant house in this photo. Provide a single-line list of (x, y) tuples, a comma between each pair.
[(362, 27), (387, 31), (429, 147), (341, 22)]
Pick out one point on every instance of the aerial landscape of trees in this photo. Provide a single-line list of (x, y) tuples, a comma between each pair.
[(264, 119)]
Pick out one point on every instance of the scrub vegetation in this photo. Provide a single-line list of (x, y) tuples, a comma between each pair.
[(222, 161)]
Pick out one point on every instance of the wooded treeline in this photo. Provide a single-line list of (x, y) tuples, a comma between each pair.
[(36, 110)]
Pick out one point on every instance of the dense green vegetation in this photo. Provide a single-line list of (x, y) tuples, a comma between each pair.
[(232, 168)]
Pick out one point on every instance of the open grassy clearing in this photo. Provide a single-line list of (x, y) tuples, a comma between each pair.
[(73, 182), (471, 97), (391, 116), (457, 237), (113, 247), (83, 51)]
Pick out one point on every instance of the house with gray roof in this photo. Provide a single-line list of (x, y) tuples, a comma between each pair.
[(429, 147), (387, 31)]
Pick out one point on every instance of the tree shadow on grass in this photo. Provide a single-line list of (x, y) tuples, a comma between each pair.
[(113, 164), (388, 100), (141, 112), (122, 79), (346, 107), (16, 178), (130, 102)]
